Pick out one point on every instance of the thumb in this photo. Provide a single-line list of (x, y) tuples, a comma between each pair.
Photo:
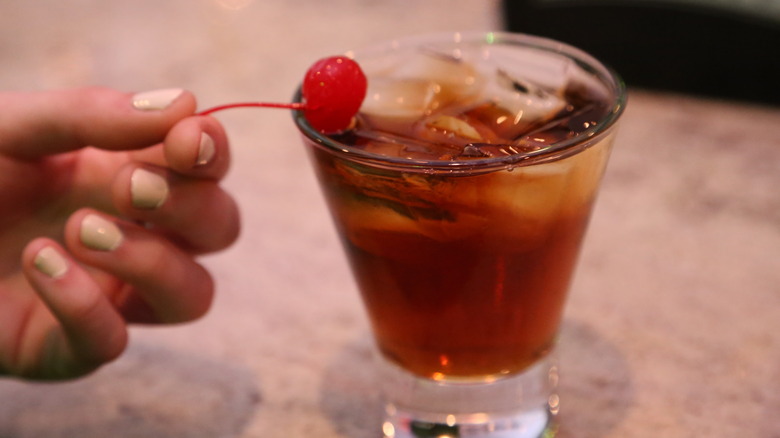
[(49, 122)]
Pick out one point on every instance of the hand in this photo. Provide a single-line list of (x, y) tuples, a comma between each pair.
[(105, 200)]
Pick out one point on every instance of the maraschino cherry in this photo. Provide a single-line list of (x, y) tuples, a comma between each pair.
[(333, 90)]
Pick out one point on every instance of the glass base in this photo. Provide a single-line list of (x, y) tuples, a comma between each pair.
[(534, 424), (519, 406)]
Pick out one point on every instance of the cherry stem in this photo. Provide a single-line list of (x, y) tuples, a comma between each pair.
[(293, 106)]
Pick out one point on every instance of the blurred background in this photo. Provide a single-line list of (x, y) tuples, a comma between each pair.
[(716, 48), (673, 327)]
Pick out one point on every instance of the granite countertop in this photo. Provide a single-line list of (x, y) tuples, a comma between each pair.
[(672, 329)]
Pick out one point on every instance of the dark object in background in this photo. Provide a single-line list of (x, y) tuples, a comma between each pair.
[(683, 46)]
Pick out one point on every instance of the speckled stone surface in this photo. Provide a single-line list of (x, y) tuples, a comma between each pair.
[(672, 330)]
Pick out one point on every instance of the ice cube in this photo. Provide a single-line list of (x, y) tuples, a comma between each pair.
[(389, 146), (404, 205), (452, 134), (442, 68), (550, 72), (415, 86), (455, 126), (515, 208), (567, 124), (404, 146), (370, 227), (406, 99), (546, 70), (521, 103)]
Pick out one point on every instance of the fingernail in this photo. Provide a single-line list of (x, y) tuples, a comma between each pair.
[(50, 262), (100, 234), (156, 99), (148, 190), (206, 149)]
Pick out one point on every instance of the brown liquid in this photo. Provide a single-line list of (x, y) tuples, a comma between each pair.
[(456, 284), (465, 307)]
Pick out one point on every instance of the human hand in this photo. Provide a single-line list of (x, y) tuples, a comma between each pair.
[(106, 198)]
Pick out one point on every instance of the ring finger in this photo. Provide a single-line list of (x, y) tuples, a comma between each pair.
[(159, 277), (196, 213)]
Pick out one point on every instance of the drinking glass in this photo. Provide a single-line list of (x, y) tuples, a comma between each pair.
[(464, 261)]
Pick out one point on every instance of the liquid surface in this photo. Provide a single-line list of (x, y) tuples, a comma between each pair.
[(438, 105)]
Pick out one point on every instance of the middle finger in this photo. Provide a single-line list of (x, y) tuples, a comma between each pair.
[(197, 213)]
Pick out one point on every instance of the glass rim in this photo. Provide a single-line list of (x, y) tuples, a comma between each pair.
[(554, 151)]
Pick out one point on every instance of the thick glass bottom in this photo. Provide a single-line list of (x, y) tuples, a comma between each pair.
[(520, 406)]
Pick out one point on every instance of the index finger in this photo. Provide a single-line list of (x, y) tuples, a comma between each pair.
[(33, 124)]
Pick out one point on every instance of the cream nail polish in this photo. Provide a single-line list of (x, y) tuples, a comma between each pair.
[(148, 190), (206, 149), (156, 99), (100, 234), (50, 262)]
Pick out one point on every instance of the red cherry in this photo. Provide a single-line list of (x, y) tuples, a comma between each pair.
[(333, 91)]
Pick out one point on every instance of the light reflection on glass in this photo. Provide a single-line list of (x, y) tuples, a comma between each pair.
[(388, 429), (554, 403)]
